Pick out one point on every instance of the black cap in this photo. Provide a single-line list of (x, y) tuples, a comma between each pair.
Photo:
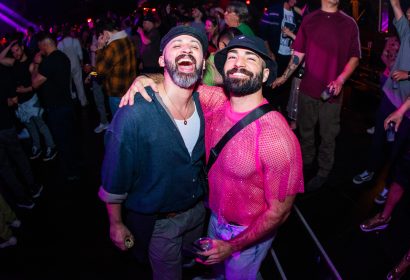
[(149, 17), (252, 43), (185, 30)]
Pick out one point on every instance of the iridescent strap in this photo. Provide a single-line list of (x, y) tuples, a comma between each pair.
[(249, 118)]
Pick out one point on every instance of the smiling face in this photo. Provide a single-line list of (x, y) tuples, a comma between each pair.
[(244, 72), (183, 60)]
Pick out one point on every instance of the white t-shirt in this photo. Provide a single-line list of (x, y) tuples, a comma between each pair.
[(285, 42), (190, 131)]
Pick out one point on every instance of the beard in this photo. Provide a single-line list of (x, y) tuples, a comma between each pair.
[(183, 80), (242, 87)]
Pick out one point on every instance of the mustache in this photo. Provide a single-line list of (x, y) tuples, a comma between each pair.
[(239, 70), (182, 56)]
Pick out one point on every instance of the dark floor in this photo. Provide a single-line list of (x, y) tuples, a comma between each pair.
[(66, 235)]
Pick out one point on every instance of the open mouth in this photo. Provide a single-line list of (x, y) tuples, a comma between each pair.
[(186, 65), (239, 73)]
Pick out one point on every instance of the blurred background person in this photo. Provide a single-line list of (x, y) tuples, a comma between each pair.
[(71, 46)]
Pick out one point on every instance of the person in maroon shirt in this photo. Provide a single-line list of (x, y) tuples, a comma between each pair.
[(328, 41)]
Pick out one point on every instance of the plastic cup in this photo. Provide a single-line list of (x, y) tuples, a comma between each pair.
[(203, 243)]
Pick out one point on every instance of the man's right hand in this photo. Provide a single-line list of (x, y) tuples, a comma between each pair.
[(138, 85), (396, 117), (118, 234)]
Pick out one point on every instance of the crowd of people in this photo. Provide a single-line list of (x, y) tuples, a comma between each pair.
[(198, 149)]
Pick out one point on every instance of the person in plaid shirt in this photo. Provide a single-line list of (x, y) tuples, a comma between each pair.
[(116, 62)]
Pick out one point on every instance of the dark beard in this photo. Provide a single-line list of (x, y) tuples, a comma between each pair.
[(183, 80), (242, 87)]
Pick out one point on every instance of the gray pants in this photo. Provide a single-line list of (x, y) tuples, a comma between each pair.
[(99, 102), (310, 113), (170, 236), (77, 77), (35, 126)]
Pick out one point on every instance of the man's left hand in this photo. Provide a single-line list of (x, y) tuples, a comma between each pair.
[(336, 86), (400, 75), (219, 252)]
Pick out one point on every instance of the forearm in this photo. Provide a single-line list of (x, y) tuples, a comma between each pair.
[(348, 69), (145, 40), (34, 76), (300, 11), (292, 35), (23, 90), (158, 78), (4, 52), (398, 12), (3, 57), (404, 107), (265, 224), (114, 213), (295, 61)]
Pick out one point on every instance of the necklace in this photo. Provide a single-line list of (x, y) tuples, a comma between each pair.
[(175, 107)]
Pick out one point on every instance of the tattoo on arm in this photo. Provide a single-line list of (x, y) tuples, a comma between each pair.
[(265, 224), (293, 65)]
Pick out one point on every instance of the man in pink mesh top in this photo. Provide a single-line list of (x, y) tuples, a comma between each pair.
[(253, 183)]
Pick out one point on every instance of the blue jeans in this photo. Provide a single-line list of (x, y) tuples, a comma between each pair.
[(99, 101), (243, 265), (35, 126), (114, 104)]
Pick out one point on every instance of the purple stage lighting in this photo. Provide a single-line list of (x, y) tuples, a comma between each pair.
[(16, 17), (12, 23), (383, 16)]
